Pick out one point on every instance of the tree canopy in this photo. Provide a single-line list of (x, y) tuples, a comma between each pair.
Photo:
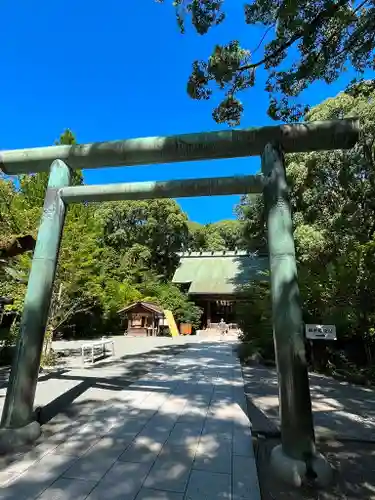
[(332, 197), (151, 232), (221, 235), (303, 41)]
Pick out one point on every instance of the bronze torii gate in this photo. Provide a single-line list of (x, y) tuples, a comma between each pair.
[(296, 457)]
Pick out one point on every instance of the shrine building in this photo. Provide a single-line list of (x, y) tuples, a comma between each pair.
[(214, 280)]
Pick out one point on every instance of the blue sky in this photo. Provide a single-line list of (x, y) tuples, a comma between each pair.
[(116, 70)]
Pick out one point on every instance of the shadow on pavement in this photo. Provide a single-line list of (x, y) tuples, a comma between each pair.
[(137, 365), (188, 438), (341, 410), (344, 417)]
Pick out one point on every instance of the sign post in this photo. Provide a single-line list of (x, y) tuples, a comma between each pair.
[(319, 332)]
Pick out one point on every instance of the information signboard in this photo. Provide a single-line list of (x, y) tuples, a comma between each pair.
[(320, 332)]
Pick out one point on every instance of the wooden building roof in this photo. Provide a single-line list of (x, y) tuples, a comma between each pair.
[(148, 306), (219, 273)]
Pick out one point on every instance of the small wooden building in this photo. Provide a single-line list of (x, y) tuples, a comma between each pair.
[(142, 319)]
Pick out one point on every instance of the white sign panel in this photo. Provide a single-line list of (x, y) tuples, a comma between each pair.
[(321, 332)]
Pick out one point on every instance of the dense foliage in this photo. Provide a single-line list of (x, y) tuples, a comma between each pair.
[(222, 235), (302, 41), (332, 196), (98, 272)]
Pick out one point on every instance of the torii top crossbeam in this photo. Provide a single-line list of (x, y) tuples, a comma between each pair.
[(300, 137)]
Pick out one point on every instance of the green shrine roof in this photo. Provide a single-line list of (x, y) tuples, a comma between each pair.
[(219, 273)]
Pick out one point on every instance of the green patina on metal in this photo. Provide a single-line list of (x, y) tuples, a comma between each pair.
[(294, 138), (164, 189), (295, 405), (218, 273), (19, 401)]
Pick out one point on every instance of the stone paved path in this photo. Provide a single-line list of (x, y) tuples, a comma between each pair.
[(340, 409), (180, 432), (71, 383)]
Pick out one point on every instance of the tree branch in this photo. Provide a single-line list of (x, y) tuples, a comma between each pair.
[(262, 39), (308, 28), (70, 313)]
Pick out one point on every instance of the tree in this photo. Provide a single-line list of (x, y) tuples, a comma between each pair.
[(335, 218), (16, 242), (20, 213), (230, 232), (184, 310), (12, 222), (303, 41), (169, 296), (332, 196), (14, 226), (254, 317), (250, 212), (205, 237), (221, 235), (148, 234)]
